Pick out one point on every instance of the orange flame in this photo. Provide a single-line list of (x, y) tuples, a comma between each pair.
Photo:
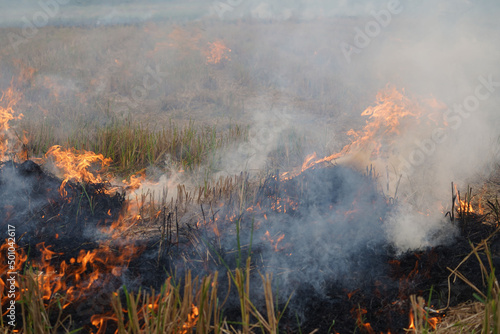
[(75, 165), (391, 115), (78, 276), (8, 141), (412, 322), (274, 241), (365, 327), (465, 207), (217, 52), (192, 320), (135, 181), (5, 268), (431, 321)]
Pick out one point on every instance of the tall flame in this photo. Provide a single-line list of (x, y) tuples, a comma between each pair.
[(5, 268), (392, 115)]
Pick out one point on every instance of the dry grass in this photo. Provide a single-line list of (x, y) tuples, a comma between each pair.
[(193, 307), (481, 316), (171, 311), (84, 87), (132, 146), (36, 311), (74, 78), (464, 318), (76, 83)]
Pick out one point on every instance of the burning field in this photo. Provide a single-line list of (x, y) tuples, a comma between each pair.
[(357, 193), (307, 249)]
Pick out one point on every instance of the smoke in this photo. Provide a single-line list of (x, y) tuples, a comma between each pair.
[(445, 52), (310, 65), (253, 154)]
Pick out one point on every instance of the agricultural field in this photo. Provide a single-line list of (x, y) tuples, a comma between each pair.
[(244, 167)]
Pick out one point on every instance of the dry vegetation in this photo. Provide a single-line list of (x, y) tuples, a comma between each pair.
[(76, 82), (85, 86), (78, 87)]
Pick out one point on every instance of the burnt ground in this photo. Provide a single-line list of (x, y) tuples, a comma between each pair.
[(320, 233)]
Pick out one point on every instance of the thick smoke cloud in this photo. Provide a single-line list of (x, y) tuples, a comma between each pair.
[(445, 51)]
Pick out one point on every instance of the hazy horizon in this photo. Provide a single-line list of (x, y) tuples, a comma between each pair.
[(82, 12)]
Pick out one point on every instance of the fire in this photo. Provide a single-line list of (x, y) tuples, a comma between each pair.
[(284, 205), (412, 322), (75, 166), (20, 257), (352, 293), (185, 42), (57, 273), (464, 203), (274, 241), (465, 207), (309, 161), (217, 52), (135, 181), (432, 323), (420, 320), (76, 277), (100, 320), (360, 323), (391, 115), (191, 321), (8, 140)]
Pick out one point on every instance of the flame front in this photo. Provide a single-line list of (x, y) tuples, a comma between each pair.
[(392, 115), (75, 166), (21, 257), (78, 276)]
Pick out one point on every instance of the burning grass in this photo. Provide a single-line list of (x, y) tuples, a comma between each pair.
[(304, 250), (200, 78), (70, 266), (82, 255)]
